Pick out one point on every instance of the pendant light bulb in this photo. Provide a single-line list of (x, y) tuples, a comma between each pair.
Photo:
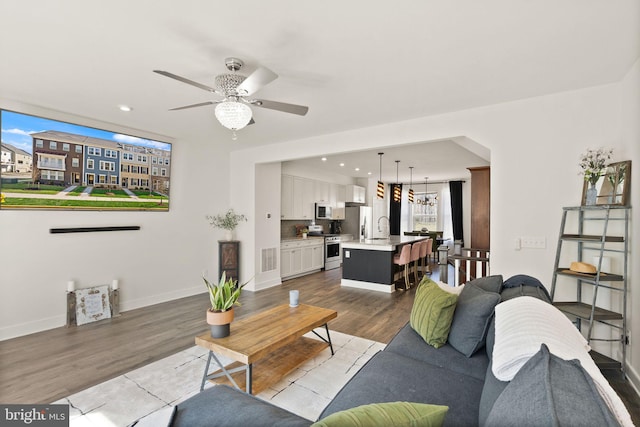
[(397, 192)]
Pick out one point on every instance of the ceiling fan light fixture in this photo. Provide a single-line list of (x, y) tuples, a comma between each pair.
[(227, 83), (233, 115)]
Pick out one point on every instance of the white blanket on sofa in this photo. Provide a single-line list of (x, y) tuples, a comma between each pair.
[(524, 323)]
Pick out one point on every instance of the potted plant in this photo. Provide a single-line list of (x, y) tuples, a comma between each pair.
[(592, 163), (228, 222), (222, 296)]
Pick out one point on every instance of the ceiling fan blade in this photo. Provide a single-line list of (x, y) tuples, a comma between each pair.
[(183, 80), (201, 104), (256, 80), (300, 110)]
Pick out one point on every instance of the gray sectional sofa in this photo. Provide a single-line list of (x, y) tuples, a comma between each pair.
[(411, 370)]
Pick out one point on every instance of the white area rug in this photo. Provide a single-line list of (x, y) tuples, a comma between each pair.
[(306, 391)]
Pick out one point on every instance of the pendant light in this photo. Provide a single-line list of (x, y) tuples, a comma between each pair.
[(425, 199), (380, 189), (397, 192), (410, 196)]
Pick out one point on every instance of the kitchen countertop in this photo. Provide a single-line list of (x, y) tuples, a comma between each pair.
[(389, 245), (300, 239), (343, 238)]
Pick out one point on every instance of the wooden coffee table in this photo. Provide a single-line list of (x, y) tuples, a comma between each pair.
[(272, 340)]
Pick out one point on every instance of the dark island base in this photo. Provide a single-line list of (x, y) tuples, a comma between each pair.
[(369, 267)]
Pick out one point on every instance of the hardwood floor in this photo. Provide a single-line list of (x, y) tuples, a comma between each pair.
[(47, 366)]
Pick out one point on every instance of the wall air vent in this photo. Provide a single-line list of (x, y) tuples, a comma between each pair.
[(269, 260)]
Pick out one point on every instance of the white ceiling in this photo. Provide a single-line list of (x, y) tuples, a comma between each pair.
[(436, 160), (354, 63)]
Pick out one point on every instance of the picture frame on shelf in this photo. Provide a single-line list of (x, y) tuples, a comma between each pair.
[(613, 186)]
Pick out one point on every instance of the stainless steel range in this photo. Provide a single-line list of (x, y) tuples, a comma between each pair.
[(332, 247), (332, 252)]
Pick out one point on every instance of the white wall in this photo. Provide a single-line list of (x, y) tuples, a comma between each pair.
[(534, 145), (161, 262), (296, 169), (630, 111), (267, 223)]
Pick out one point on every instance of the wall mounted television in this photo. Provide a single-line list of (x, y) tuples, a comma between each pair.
[(48, 164)]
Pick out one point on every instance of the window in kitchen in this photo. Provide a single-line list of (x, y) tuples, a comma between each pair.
[(425, 211)]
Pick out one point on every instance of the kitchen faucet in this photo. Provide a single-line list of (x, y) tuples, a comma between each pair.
[(388, 225)]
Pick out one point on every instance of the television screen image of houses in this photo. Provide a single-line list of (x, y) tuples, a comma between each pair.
[(47, 164)]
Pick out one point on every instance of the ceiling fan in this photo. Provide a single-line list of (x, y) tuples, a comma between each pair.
[(233, 111)]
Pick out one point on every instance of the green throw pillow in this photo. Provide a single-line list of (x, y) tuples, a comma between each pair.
[(432, 313), (390, 414)]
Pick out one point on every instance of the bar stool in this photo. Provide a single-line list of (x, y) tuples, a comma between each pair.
[(415, 257), (404, 259), (423, 253), (427, 255)]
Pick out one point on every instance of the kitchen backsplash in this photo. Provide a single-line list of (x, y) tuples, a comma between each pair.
[(288, 227)]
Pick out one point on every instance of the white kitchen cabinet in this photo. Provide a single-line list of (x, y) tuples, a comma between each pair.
[(303, 195), (322, 193), (285, 262), (337, 195), (338, 213), (308, 202), (298, 257), (286, 195), (341, 195), (317, 261), (307, 258), (299, 196), (355, 194)]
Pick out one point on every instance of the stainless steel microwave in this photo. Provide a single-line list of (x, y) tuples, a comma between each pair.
[(323, 211)]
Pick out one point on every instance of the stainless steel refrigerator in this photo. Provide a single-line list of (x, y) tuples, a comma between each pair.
[(359, 222)]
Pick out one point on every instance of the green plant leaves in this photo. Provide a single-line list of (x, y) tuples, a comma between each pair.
[(225, 294)]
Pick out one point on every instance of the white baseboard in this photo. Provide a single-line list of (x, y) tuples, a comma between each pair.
[(52, 322), (264, 285), (634, 378), (27, 328), (126, 305)]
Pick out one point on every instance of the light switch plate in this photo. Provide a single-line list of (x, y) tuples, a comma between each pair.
[(533, 242)]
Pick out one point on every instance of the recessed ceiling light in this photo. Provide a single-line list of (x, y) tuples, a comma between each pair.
[(357, 169), (341, 164), (125, 108), (324, 159), (368, 173)]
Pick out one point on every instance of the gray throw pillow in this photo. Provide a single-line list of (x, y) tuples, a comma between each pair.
[(550, 391), (471, 319), (489, 283)]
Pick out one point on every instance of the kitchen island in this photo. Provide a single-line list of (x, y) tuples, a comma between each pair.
[(368, 263)]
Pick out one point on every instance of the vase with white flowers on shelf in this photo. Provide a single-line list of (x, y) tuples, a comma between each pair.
[(228, 222), (593, 163)]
